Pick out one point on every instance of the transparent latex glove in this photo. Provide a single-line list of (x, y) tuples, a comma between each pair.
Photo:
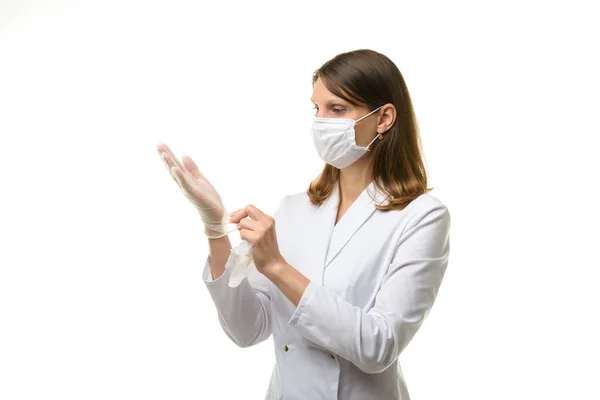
[(199, 192)]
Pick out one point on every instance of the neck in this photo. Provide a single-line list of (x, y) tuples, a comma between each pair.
[(354, 179)]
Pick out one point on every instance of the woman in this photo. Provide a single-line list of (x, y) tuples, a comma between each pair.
[(347, 271)]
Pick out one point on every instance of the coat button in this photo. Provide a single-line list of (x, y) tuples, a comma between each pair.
[(331, 355), (285, 348)]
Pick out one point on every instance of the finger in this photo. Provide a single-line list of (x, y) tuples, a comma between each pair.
[(248, 235), (164, 158), (169, 164), (174, 164), (237, 215), (165, 149), (162, 150), (191, 166), (249, 224), (255, 213), (168, 160), (181, 179)]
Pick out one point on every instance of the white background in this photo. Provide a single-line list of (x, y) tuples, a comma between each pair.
[(101, 295)]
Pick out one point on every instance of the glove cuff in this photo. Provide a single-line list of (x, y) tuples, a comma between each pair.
[(214, 231)]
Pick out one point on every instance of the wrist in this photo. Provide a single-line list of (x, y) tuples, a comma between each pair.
[(214, 233), (276, 269)]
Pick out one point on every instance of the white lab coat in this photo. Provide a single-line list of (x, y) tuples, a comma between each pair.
[(373, 279)]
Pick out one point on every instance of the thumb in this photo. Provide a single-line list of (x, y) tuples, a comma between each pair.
[(191, 166)]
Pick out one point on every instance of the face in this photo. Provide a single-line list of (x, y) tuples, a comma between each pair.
[(328, 105)]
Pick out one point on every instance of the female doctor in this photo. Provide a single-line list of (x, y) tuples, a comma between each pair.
[(347, 271)]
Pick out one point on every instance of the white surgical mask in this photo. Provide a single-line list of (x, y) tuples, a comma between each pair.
[(335, 140)]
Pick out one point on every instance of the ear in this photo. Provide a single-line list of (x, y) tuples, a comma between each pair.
[(387, 118)]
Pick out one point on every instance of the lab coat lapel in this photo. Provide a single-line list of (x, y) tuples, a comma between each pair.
[(325, 218), (353, 218)]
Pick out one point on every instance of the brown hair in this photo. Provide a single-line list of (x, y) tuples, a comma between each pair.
[(369, 79)]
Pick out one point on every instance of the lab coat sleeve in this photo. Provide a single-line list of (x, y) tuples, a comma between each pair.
[(373, 340), (244, 311)]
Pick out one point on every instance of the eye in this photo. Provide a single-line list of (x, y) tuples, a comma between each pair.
[(335, 110)]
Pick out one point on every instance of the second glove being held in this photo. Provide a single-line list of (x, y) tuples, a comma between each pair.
[(240, 263)]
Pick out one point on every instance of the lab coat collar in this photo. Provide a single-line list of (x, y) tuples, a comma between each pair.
[(353, 218)]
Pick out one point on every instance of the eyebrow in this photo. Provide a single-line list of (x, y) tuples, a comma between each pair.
[(338, 101)]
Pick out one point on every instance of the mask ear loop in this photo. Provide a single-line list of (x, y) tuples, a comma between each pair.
[(365, 116), (379, 135)]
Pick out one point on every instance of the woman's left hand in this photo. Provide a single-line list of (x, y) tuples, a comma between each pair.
[(259, 231)]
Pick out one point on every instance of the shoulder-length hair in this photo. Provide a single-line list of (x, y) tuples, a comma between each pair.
[(366, 78)]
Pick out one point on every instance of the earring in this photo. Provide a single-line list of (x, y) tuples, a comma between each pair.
[(380, 136)]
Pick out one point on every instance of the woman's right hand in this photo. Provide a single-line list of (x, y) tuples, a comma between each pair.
[(198, 191)]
